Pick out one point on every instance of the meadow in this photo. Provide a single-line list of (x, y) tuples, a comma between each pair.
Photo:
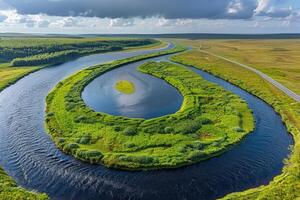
[(280, 59), (192, 134), (286, 185), (21, 56)]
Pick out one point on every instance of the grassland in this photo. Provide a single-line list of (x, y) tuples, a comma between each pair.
[(192, 134), (10, 191), (21, 56), (287, 185), (125, 87), (279, 59)]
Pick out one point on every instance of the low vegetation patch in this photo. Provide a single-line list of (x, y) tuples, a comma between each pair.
[(125, 87), (209, 122), (10, 191)]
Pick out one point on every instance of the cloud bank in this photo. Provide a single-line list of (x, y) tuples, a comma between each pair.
[(169, 9)]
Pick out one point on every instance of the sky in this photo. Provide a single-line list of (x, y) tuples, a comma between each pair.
[(150, 16)]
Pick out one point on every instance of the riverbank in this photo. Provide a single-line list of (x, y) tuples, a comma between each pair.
[(10, 191), (286, 185)]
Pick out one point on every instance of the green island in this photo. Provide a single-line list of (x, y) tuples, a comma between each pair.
[(21, 56), (286, 185), (10, 191), (209, 122), (125, 87)]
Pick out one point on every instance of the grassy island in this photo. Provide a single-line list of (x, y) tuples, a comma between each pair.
[(10, 191), (125, 87), (209, 122)]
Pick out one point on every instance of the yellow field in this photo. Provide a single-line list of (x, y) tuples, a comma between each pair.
[(279, 59), (9, 75)]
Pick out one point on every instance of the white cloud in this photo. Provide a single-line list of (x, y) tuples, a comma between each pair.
[(120, 22), (175, 22), (262, 5)]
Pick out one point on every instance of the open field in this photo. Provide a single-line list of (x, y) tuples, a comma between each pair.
[(9, 75), (10, 191), (21, 56), (280, 59), (287, 185), (192, 134)]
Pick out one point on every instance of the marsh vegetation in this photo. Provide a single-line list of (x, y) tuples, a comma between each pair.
[(208, 123)]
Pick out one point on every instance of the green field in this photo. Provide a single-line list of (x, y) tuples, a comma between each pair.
[(286, 185), (21, 56), (192, 134), (10, 191)]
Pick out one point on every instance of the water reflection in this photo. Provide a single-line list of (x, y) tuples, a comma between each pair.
[(152, 97)]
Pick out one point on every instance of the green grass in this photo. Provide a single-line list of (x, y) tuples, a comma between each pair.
[(125, 87), (287, 185), (193, 134), (10, 191)]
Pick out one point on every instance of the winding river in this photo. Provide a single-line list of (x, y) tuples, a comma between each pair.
[(29, 156)]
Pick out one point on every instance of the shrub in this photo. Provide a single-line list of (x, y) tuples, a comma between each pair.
[(188, 127), (84, 140), (130, 131), (196, 155), (238, 129), (168, 129)]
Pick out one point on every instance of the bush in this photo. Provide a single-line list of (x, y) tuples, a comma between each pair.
[(196, 155), (238, 129), (84, 140), (130, 131), (168, 129), (188, 127)]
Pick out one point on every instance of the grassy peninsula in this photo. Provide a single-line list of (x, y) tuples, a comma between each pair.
[(209, 122)]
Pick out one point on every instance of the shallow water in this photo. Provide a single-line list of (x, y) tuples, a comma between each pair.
[(28, 154)]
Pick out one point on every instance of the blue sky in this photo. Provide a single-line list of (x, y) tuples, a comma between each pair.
[(145, 16)]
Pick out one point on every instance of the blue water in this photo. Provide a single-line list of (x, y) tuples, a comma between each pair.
[(152, 98)]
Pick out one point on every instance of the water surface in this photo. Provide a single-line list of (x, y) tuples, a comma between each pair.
[(152, 97)]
